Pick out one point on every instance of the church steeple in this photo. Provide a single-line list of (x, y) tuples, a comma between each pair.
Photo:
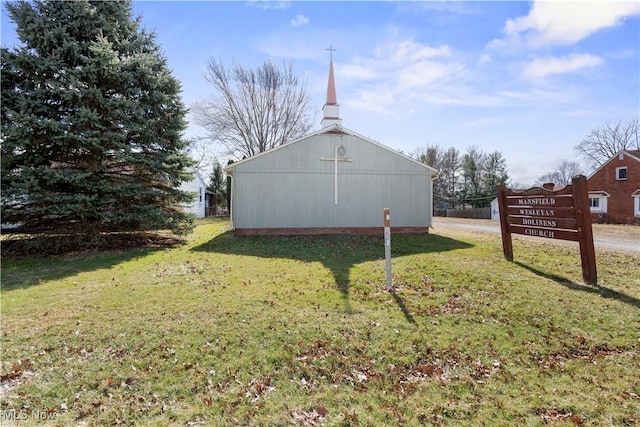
[(331, 109)]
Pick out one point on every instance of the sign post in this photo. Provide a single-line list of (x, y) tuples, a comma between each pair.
[(542, 212), (387, 247)]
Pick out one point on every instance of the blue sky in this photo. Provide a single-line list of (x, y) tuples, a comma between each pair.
[(528, 79)]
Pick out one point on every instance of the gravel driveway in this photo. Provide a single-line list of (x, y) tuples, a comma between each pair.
[(625, 238)]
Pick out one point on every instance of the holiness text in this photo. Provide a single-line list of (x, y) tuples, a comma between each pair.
[(539, 222)]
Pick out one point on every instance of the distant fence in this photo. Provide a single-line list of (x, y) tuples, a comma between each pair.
[(215, 212), (476, 213)]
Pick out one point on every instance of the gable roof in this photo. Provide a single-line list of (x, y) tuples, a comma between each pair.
[(198, 177), (333, 129), (634, 154)]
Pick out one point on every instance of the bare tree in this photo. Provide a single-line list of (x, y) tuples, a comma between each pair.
[(604, 142), (430, 156), (563, 174), (433, 156), (253, 109), (202, 153), (449, 172)]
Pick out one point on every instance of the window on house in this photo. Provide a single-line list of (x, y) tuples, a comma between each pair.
[(636, 204), (598, 203), (200, 195), (621, 173)]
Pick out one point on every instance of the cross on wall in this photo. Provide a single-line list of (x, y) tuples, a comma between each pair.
[(335, 159)]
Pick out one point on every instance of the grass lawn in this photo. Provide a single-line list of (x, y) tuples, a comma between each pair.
[(226, 330)]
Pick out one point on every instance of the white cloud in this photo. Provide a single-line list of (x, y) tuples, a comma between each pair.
[(621, 54), (425, 73), (381, 99), (299, 21), (440, 6), (269, 4), (357, 72), (539, 95), (543, 67), (398, 72), (410, 51), (551, 23), (484, 59)]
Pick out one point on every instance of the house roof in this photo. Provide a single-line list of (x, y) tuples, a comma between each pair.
[(599, 193), (634, 154), (198, 177), (333, 129)]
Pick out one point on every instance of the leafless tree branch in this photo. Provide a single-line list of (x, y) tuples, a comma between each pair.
[(604, 142), (563, 174), (253, 109)]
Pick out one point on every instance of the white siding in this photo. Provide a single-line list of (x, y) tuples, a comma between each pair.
[(197, 187), (495, 210), (292, 187)]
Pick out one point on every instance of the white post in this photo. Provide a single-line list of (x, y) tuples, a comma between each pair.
[(387, 247)]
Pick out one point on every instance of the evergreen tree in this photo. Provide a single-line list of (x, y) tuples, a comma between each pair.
[(472, 165), (495, 172), (217, 186), (228, 188), (92, 122)]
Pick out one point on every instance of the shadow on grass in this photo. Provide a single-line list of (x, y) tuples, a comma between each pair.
[(598, 290), (337, 253), (26, 271), (403, 307)]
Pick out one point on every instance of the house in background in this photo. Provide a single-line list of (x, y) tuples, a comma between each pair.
[(196, 186), (332, 181), (495, 210), (614, 189)]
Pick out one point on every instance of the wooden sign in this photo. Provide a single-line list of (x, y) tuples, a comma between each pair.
[(542, 212)]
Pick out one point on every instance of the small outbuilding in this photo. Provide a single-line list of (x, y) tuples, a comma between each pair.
[(328, 182)]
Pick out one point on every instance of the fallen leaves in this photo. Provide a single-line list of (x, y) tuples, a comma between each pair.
[(582, 351), (552, 415), (17, 370), (630, 395), (309, 418), (258, 388)]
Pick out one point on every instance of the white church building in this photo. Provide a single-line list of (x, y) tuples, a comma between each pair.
[(331, 181)]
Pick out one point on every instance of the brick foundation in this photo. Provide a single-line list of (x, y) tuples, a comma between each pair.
[(327, 230)]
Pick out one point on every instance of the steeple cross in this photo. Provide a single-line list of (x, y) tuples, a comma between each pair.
[(331, 50)]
